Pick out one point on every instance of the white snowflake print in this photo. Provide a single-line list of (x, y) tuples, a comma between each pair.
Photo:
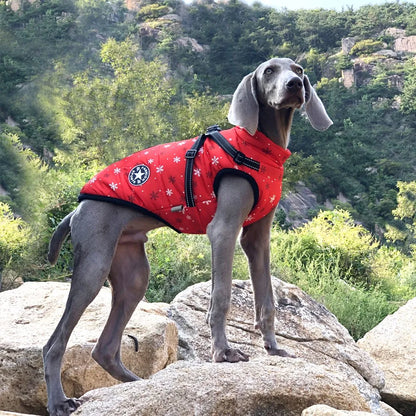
[(117, 171), (201, 150), (272, 199), (166, 146), (181, 143), (176, 159), (169, 192), (93, 179), (150, 161), (250, 218), (215, 160), (207, 202), (213, 195), (160, 169), (197, 172), (113, 186)]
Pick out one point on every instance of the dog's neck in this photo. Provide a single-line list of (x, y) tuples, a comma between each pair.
[(276, 124)]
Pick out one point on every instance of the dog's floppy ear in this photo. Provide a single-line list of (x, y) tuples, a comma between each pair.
[(244, 109), (314, 108)]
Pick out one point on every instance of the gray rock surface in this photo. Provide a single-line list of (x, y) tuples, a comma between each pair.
[(29, 316), (392, 344)]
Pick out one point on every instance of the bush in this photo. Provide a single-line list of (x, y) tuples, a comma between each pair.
[(14, 236), (339, 264), (178, 261), (331, 238), (366, 47)]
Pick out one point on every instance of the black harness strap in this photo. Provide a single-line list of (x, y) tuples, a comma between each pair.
[(190, 156), (214, 133)]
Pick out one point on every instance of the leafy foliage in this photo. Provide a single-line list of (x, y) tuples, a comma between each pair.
[(85, 82), (13, 237)]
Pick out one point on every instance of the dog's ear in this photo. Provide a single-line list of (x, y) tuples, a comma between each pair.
[(244, 109), (314, 108)]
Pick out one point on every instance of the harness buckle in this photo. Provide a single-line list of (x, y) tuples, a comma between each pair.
[(239, 158), (191, 154), (215, 127)]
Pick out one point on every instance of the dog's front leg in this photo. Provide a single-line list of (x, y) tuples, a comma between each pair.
[(235, 201), (255, 241)]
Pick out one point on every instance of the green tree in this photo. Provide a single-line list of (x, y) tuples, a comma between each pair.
[(408, 97), (106, 117), (404, 231), (14, 236)]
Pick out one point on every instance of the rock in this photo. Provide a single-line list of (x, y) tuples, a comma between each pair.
[(395, 32), (405, 44), (347, 44), (392, 344), (348, 79), (297, 203), (187, 42), (29, 316), (324, 410), (2, 413), (303, 327), (264, 386)]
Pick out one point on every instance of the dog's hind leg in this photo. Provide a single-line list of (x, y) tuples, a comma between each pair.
[(84, 289), (93, 255), (255, 241), (129, 277)]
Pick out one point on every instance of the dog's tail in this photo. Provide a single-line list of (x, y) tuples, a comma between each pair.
[(58, 238)]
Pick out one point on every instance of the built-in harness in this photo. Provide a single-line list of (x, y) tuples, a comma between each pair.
[(212, 132)]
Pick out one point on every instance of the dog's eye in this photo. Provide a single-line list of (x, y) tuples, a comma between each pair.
[(299, 70), (268, 71)]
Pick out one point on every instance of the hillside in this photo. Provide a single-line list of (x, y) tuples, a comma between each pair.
[(84, 83), (206, 48)]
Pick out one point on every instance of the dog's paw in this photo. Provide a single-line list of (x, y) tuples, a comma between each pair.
[(65, 408), (279, 352), (230, 355)]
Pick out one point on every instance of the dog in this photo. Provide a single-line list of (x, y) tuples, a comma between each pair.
[(109, 233)]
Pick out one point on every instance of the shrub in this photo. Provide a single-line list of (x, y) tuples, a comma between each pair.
[(366, 47), (14, 236)]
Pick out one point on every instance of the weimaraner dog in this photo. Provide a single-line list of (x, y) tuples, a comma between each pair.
[(109, 239)]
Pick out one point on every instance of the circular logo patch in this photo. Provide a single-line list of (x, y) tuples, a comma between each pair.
[(139, 175)]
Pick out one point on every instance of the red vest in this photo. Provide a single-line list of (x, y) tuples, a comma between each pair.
[(152, 180)]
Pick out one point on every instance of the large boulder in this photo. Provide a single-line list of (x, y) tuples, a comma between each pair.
[(304, 327), (392, 344), (264, 386), (29, 315), (405, 44)]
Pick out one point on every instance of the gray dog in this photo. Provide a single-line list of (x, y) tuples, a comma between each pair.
[(109, 234)]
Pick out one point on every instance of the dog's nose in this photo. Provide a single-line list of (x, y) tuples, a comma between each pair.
[(294, 84)]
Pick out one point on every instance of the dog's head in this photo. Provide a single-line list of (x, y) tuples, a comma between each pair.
[(279, 84)]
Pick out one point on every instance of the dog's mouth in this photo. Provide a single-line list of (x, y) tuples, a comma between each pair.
[(295, 100)]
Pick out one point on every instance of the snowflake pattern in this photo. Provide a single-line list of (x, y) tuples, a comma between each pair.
[(117, 171), (160, 169), (176, 159), (154, 195), (169, 192), (150, 161), (197, 172), (113, 186), (215, 160)]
